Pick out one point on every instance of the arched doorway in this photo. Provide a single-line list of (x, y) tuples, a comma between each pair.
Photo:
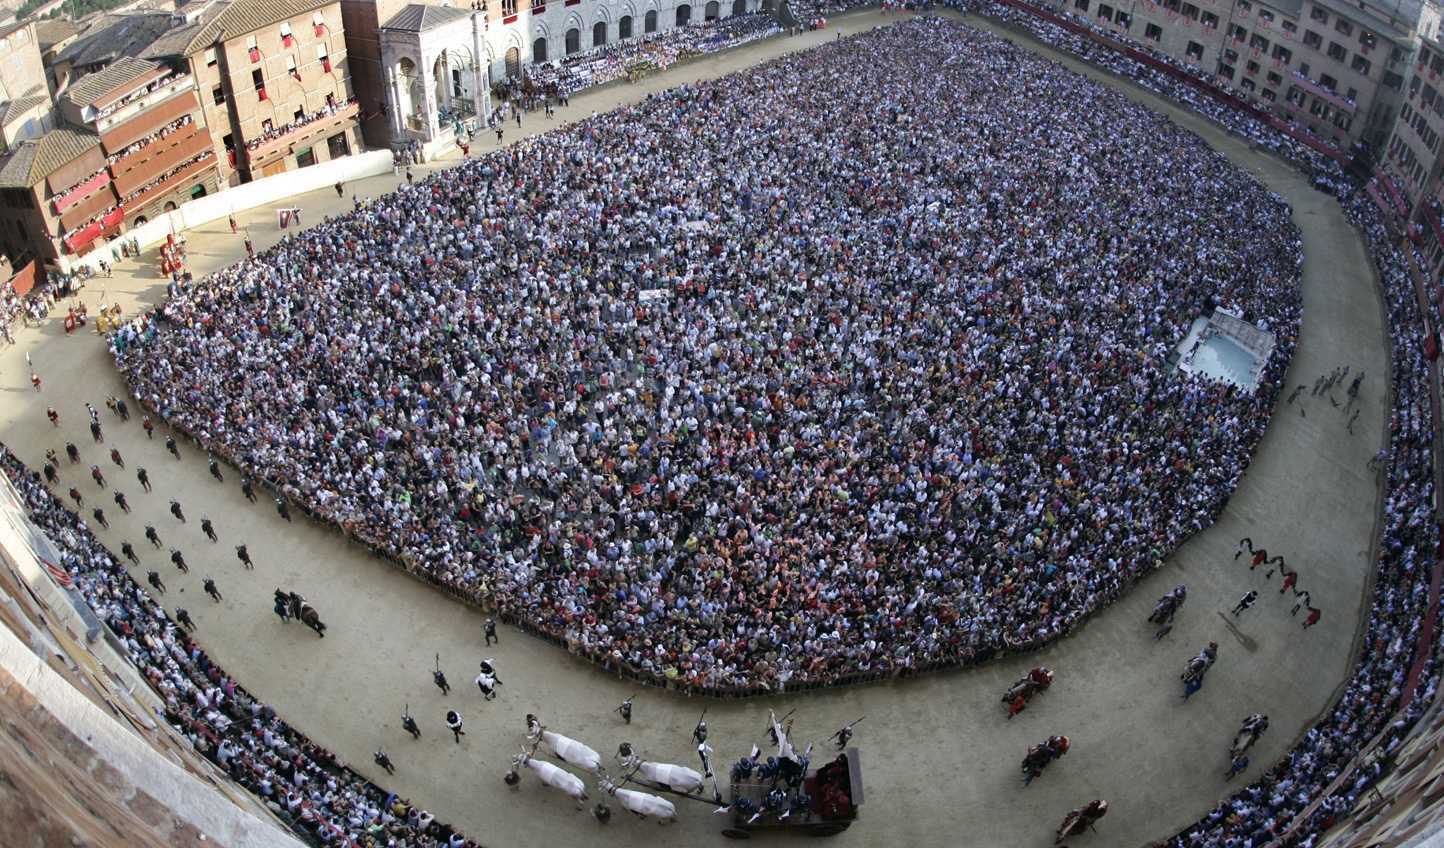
[(684, 15), (624, 27), (599, 34), (539, 51), (513, 62), (649, 23), (739, 7), (139, 221), (574, 41), (410, 94), (712, 10), (170, 206)]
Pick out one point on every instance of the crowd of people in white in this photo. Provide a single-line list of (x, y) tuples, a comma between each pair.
[(1369, 710), (768, 379), (752, 384)]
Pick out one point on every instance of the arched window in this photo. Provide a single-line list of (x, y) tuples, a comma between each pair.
[(574, 41), (649, 23), (712, 10), (684, 15), (739, 7), (624, 27), (539, 51), (599, 34)]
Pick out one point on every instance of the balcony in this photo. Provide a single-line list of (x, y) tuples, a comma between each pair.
[(1323, 93), (137, 159), (89, 208), (274, 148), (137, 104), (93, 229), (81, 192), (171, 183), (161, 161)]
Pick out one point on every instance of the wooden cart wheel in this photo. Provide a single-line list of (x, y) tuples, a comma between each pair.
[(829, 829), (736, 833)]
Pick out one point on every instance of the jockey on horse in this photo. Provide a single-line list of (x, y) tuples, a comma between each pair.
[(1253, 728), (1168, 605), (1081, 819), (1201, 663), (1038, 680), (1196, 668), (1040, 755)]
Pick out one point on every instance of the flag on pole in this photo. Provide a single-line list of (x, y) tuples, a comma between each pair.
[(58, 574)]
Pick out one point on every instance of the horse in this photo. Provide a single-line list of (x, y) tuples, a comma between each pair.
[(1200, 664), (679, 778), (640, 803), (1168, 605), (1081, 819), (1040, 755), (566, 749), (312, 619), (1253, 728), (552, 775), (1038, 680)]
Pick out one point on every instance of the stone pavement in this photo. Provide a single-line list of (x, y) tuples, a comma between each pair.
[(940, 760)]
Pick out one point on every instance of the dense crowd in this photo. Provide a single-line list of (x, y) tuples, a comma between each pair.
[(12, 306), (1193, 93), (651, 51), (1408, 549), (853, 393), (304, 784)]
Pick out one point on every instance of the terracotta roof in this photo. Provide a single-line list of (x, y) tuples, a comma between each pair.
[(231, 21), (113, 35), (92, 87), (419, 18), (13, 109), (13, 26), (177, 41), (51, 32), (15, 167), (33, 161)]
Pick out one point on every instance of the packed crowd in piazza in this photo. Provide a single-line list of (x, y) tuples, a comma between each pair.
[(712, 387), (1257, 813)]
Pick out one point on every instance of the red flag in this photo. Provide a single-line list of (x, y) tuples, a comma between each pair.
[(58, 574)]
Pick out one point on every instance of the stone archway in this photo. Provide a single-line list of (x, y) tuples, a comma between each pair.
[(539, 51), (712, 10), (739, 7), (684, 15), (409, 91)]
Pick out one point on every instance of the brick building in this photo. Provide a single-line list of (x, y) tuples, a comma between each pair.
[(273, 80), (1337, 68), (158, 148), (56, 196)]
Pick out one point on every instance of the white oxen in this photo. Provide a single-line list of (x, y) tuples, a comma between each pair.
[(567, 750), (680, 778), (640, 802), (555, 776)]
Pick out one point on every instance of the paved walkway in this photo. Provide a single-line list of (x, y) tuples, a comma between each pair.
[(940, 760)]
